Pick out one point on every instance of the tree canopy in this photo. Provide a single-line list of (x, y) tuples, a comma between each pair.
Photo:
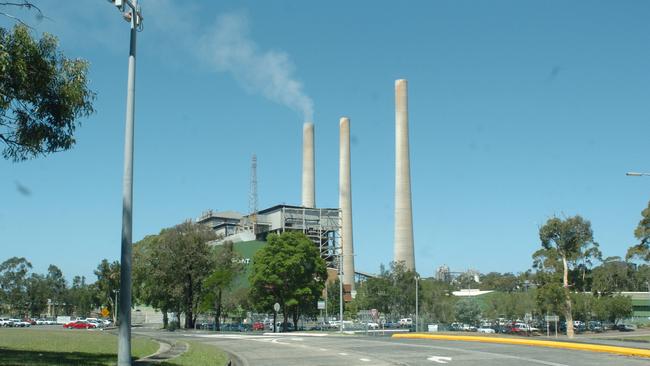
[(43, 94), (290, 271), (569, 240)]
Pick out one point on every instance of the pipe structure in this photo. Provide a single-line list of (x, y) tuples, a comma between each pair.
[(345, 202), (308, 166), (403, 244)]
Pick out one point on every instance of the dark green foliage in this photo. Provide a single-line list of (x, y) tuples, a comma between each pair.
[(289, 271), (13, 284), (218, 285), (108, 281), (642, 233), (171, 267), (467, 311), (42, 95)]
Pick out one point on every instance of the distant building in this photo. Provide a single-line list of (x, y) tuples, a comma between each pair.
[(443, 274), (223, 223)]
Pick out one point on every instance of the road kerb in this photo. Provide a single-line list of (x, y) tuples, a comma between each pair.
[(637, 352)]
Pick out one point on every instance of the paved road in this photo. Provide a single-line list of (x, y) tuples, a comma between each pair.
[(357, 350)]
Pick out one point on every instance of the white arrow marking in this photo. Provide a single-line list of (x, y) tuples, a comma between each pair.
[(439, 359)]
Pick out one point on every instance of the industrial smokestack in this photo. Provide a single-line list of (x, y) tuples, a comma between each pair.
[(403, 211), (308, 166), (345, 202)]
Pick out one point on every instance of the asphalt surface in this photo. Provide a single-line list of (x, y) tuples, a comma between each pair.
[(269, 350)]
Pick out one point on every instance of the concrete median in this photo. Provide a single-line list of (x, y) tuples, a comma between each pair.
[(636, 352)]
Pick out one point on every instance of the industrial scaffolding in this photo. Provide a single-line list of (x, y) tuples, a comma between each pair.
[(320, 225)]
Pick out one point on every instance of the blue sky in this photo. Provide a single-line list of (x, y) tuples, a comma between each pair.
[(518, 111)]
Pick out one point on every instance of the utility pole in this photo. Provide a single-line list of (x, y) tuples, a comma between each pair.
[(116, 307), (341, 292), (417, 303), (134, 17)]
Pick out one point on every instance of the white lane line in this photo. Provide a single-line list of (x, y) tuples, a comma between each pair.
[(365, 359), (343, 354), (322, 349)]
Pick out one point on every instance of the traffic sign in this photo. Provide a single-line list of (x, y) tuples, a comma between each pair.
[(105, 312), (321, 305), (276, 307), (552, 318)]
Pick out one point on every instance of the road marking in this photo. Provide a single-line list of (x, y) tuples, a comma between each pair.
[(439, 359), (322, 349), (365, 359), (499, 355), (343, 354), (295, 339)]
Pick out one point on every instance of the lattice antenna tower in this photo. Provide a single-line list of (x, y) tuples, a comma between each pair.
[(252, 194)]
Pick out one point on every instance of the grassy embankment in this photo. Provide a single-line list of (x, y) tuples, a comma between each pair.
[(199, 354), (39, 347), (65, 347)]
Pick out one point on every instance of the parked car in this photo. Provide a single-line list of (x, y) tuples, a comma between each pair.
[(626, 327), (258, 326), (6, 322), (20, 323), (372, 325), (455, 327), (79, 324), (595, 326), (486, 330), (405, 322), (468, 328)]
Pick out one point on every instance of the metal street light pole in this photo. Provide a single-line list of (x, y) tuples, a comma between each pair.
[(417, 302), (340, 293), (116, 307), (124, 340)]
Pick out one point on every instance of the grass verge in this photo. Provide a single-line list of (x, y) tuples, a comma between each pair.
[(36, 347), (199, 354)]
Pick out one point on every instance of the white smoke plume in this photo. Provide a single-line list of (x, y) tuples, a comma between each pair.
[(228, 47)]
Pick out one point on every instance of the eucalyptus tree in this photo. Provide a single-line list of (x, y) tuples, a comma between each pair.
[(43, 94), (569, 240)]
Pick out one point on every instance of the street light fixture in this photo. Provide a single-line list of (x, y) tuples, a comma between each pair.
[(637, 174), (134, 17)]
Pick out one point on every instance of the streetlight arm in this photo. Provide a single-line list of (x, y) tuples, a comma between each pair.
[(637, 174)]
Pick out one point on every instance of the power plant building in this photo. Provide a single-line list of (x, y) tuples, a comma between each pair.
[(321, 225)]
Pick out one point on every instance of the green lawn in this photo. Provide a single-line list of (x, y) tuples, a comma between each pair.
[(65, 347), (199, 354)]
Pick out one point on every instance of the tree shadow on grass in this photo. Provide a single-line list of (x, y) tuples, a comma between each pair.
[(38, 358)]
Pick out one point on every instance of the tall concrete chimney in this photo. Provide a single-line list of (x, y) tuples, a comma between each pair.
[(308, 166), (345, 202), (403, 212)]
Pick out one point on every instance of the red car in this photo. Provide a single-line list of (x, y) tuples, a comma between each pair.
[(79, 324), (258, 326)]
